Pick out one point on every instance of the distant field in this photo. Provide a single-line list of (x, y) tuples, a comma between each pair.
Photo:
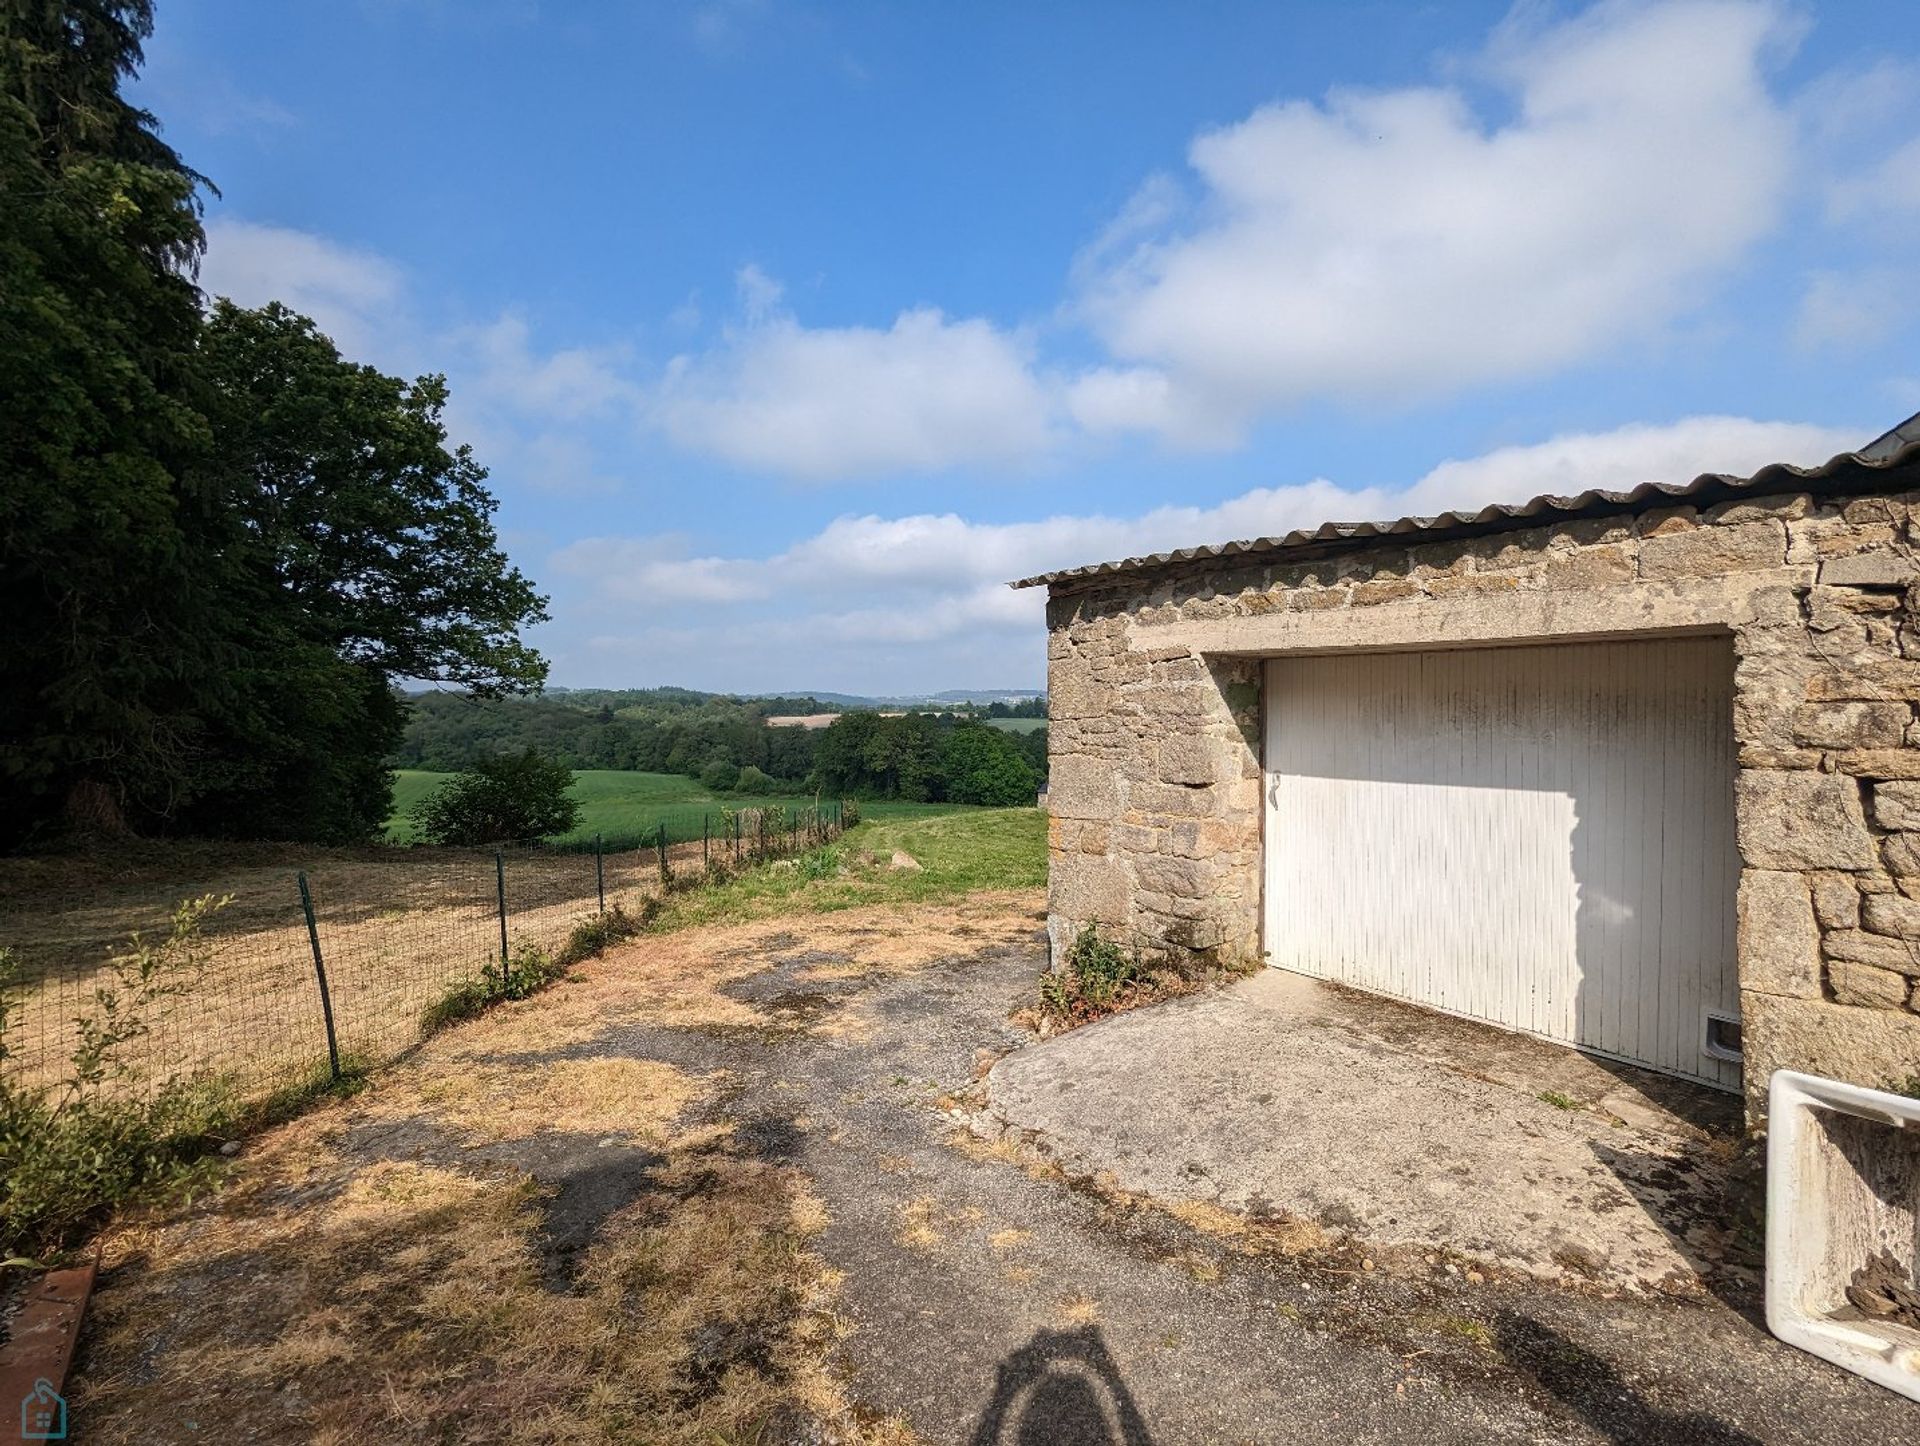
[(1018, 725), (620, 804)]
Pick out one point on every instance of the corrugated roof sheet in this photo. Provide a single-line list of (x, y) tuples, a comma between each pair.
[(1869, 470)]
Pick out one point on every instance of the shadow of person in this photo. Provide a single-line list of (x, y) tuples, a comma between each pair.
[(1598, 1395), (1061, 1388)]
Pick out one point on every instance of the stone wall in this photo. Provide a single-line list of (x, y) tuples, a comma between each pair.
[(1155, 732)]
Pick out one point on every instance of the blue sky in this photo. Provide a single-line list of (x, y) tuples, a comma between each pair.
[(791, 332)]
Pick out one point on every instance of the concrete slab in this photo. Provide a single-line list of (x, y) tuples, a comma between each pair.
[(1393, 1124)]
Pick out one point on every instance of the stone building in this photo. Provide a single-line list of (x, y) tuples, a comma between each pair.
[(1635, 771)]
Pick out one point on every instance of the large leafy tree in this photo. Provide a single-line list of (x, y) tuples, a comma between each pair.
[(358, 551), (105, 612), (220, 544)]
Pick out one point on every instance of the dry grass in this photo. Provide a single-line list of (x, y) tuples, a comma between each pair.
[(341, 1289), (398, 928)]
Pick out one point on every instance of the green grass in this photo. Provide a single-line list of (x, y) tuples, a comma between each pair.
[(983, 848), (1017, 725), (622, 805)]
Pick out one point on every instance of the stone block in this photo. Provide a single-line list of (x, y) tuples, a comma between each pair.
[(1859, 947), (1890, 679), (1866, 987), (1900, 763), (1181, 878), (1836, 902), (1879, 568), (1871, 1047), (1713, 551), (1468, 583), (1897, 917), (1383, 589), (1088, 890), (1779, 938), (1851, 725), (1897, 805), (1901, 854), (1086, 788), (1189, 758), (1798, 820), (1590, 567)]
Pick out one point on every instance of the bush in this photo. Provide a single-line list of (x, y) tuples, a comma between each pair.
[(986, 766), (720, 776), (752, 780), (1092, 979), (70, 1154), (515, 798)]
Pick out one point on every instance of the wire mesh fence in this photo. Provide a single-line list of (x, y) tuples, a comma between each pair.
[(332, 958)]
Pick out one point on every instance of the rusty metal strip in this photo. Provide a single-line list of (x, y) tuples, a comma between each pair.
[(39, 1350)]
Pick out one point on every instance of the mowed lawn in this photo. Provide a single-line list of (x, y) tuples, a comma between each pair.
[(1017, 725), (621, 804)]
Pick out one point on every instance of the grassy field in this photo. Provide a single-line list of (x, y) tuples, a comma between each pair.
[(1018, 725), (980, 849), (620, 804)]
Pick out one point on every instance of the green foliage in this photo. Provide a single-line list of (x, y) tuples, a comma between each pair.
[(592, 936), (659, 730), (986, 766), (1094, 977), (105, 547), (821, 863), (72, 1153), (752, 780), (721, 775), (515, 799), (220, 543)]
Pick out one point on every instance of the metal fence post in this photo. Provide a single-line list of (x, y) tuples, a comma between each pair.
[(706, 840), (500, 893), (599, 874), (320, 973)]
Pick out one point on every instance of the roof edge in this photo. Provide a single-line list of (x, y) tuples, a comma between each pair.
[(1880, 466)]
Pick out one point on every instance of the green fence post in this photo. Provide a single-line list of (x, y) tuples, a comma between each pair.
[(599, 874), (500, 894), (320, 973)]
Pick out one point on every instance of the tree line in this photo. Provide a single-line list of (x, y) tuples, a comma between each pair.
[(725, 743), (221, 542)]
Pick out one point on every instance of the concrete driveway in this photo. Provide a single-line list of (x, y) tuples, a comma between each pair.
[(1410, 1130)]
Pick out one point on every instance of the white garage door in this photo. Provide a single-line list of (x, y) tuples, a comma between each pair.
[(1540, 837)]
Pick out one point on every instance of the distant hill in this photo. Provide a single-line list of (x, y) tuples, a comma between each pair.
[(922, 700), (791, 701)]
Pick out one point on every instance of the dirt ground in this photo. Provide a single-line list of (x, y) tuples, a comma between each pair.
[(717, 1187), (397, 927)]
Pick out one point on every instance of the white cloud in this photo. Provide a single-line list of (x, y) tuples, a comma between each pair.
[(1397, 242), (922, 597), (352, 294), (1852, 308), (925, 394), (1621, 459)]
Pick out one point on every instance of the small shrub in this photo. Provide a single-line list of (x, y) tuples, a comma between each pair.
[(1099, 968), (526, 969), (591, 936), (821, 863), (720, 776), (1559, 1100), (70, 1154), (1097, 977), (516, 798), (753, 780), (849, 812)]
